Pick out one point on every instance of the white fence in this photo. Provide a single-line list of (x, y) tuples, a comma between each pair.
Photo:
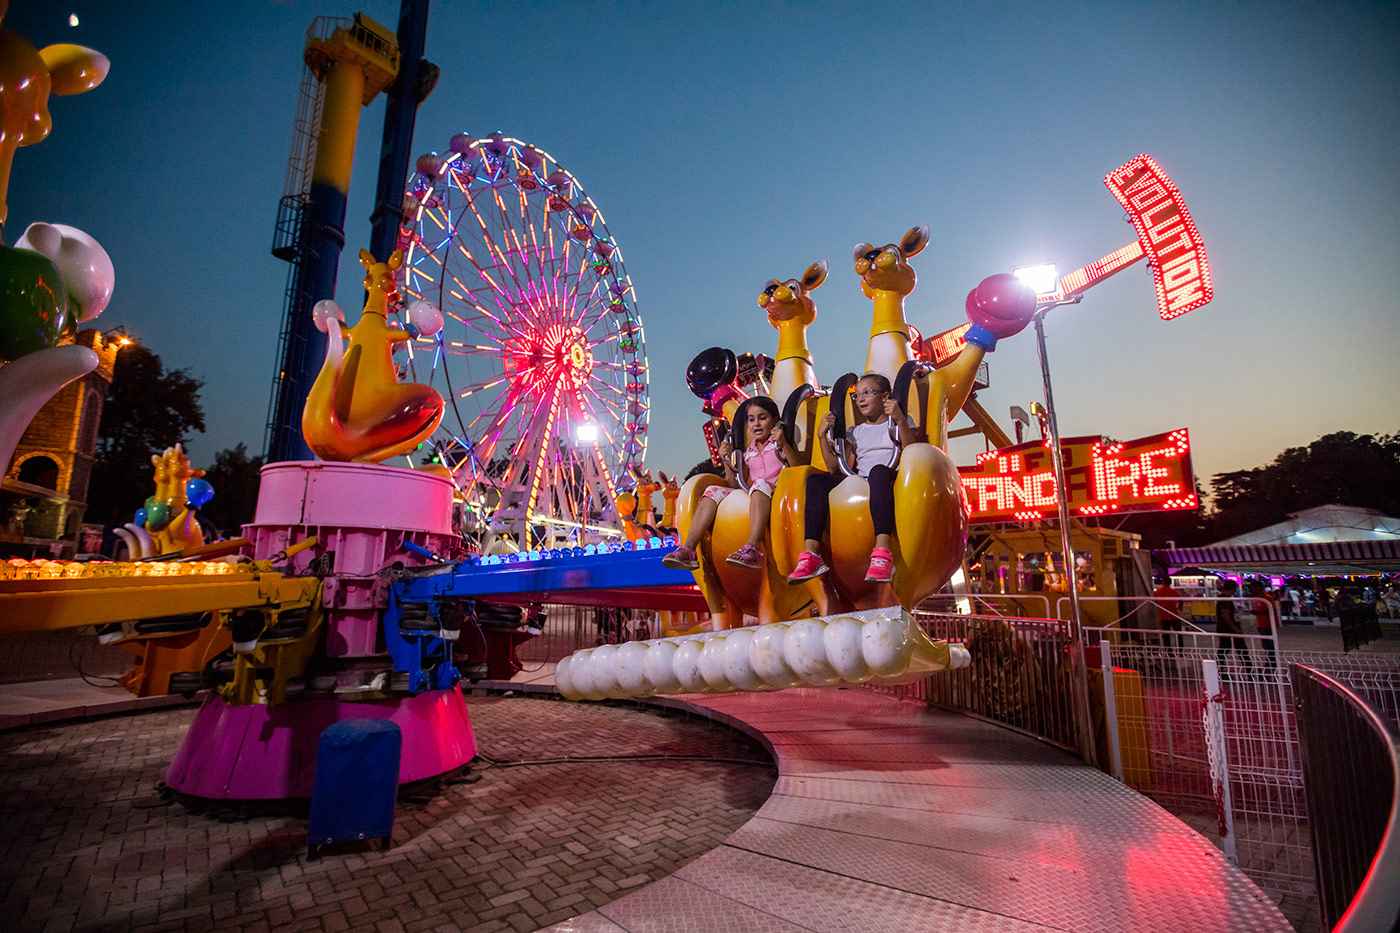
[(1211, 734)]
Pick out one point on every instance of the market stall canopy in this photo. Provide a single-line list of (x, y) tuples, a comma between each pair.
[(1329, 539)]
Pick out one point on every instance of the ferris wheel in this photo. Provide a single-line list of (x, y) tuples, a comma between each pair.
[(542, 359)]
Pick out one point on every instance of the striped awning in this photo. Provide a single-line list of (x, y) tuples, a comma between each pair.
[(1320, 557)]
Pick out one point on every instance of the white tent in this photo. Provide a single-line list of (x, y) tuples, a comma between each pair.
[(1330, 539), (1322, 524)]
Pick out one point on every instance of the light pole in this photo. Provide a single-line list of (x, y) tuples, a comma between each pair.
[(1043, 279)]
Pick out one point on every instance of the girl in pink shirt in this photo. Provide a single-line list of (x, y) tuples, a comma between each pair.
[(768, 451)]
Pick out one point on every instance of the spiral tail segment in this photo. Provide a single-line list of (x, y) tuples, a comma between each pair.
[(875, 646)]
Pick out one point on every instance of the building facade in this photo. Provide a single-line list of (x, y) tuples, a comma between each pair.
[(44, 492)]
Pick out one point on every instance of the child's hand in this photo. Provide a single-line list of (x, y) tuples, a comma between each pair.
[(893, 411), (829, 422), (726, 450)]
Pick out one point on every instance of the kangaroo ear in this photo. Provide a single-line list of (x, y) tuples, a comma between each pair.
[(815, 275), (396, 259), (366, 259), (74, 69), (913, 242)]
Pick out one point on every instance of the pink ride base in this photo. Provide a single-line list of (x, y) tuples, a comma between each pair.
[(360, 513), (259, 752)]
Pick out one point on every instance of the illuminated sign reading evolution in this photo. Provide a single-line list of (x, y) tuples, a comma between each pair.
[(1017, 484), (1166, 233)]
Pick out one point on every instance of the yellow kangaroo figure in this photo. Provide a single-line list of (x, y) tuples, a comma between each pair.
[(357, 408), (670, 492), (930, 516), (733, 592), (791, 311), (626, 503), (886, 278)]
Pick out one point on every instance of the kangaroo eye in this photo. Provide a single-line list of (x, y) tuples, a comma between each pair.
[(873, 255), (771, 289)]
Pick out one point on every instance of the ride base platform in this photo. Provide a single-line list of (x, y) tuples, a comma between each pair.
[(361, 515)]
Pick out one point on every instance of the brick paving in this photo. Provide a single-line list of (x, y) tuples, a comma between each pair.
[(88, 843)]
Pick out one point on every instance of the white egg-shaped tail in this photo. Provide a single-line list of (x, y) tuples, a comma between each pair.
[(883, 646)]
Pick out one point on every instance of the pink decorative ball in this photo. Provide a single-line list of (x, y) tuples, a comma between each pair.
[(1002, 303)]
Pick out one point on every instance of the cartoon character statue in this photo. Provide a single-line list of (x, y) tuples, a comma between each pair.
[(357, 409), (168, 522), (930, 506), (626, 504), (27, 77), (931, 522), (647, 487), (55, 276), (670, 492), (791, 311), (730, 592)]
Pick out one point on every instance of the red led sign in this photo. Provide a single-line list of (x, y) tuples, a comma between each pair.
[(1017, 484), (1166, 233), (941, 347)]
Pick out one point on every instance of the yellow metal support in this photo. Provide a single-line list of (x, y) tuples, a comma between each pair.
[(47, 605), (986, 424)]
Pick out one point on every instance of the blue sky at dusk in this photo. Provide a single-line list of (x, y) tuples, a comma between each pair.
[(731, 143)]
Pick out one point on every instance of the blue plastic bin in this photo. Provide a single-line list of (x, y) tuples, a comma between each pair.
[(357, 783)]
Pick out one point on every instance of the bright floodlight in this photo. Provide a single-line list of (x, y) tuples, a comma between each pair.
[(586, 433), (1043, 278)]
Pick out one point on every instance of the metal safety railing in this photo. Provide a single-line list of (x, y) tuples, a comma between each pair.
[(1212, 735), (1020, 676), (1170, 614), (1351, 775), (1011, 605), (565, 629)]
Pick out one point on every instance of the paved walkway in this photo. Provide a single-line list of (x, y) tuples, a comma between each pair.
[(889, 816), (89, 845), (70, 698), (885, 816)]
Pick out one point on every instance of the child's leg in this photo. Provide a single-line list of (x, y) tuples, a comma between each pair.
[(759, 505), (701, 521), (817, 510), (881, 480)]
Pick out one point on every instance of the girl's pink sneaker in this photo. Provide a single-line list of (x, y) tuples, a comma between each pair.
[(809, 565), (881, 566)]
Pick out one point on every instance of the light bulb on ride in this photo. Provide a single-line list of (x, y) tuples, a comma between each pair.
[(426, 317), (1042, 277), (325, 311)]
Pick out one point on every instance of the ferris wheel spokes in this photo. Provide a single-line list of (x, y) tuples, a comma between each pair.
[(548, 387)]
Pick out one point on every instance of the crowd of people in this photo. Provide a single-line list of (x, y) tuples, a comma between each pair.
[(1356, 608)]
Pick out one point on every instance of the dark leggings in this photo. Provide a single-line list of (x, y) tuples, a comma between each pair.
[(818, 509)]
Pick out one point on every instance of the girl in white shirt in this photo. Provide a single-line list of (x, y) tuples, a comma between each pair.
[(872, 449)]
